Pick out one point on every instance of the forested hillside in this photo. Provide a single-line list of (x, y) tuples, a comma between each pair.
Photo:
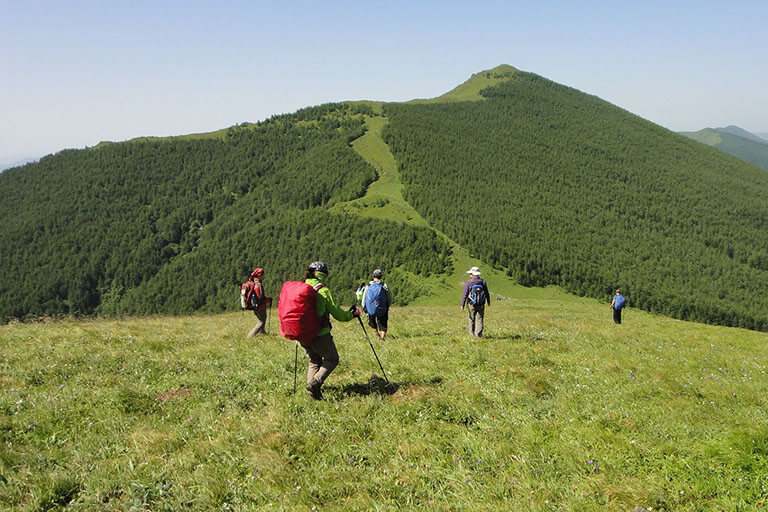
[(563, 188), (171, 226), (550, 184)]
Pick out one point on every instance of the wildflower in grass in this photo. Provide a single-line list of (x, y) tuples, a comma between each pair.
[(255, 470)]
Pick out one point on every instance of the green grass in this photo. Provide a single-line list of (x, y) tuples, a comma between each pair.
[(384, 198), (214, 135), (557, 409), (470, 90)]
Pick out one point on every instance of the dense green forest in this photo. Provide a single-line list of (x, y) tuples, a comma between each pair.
[(174, 226), (560, 187)]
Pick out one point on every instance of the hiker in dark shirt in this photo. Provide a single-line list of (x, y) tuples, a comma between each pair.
[(617, 304), (475, 297)]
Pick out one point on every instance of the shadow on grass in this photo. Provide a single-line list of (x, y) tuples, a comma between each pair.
[(377, 386)]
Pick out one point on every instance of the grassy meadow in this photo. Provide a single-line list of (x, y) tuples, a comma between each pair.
[(556, 409)]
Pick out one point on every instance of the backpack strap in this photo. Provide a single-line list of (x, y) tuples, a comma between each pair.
[(326, 320)]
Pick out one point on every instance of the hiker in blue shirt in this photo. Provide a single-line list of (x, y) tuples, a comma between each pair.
[(476, 296), (617, 304), (376, 301)]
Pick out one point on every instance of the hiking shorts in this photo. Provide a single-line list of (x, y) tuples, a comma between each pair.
[(378, 322)]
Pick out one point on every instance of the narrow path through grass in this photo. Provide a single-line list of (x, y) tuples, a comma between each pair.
[(384, 200)]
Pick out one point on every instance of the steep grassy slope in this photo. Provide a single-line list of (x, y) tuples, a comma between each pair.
[(558, 409), (736, 142), (562, 188)]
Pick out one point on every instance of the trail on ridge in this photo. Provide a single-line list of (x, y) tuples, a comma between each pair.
[(384, 200)]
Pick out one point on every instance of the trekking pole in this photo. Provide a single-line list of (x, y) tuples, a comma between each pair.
[(371, 344), (295, 366)]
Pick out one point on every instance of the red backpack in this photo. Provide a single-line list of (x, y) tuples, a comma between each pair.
[(249, 299), (297, 310)]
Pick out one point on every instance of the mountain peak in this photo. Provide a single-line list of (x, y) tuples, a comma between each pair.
[(741, 132), (470, 90)]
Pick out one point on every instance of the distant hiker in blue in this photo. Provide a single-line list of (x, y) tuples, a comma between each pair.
[(476, 296), (617, 304), (376, 300)]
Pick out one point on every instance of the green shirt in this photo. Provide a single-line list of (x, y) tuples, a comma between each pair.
[(327, 305)]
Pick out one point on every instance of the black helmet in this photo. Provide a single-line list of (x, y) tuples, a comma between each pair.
[(319, 266)]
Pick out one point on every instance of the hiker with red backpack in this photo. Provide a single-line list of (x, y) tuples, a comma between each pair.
[(305, 309), (475, 298), (252, 297), (376, 300)]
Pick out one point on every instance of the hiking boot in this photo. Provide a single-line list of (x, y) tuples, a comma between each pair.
[(314, 390)]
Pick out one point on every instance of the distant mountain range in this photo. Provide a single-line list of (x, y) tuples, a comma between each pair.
[(19, 163), (750, 147)]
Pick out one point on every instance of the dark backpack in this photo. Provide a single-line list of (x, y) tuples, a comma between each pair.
[(249, 299), (376, 299), (619, 302), (477, 294)]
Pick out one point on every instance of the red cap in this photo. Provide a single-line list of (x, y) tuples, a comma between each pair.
[(258, 272)]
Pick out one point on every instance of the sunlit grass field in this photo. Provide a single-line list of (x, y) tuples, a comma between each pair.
[(556, 409)]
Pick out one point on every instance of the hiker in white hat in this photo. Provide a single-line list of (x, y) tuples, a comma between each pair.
[(476, 296)]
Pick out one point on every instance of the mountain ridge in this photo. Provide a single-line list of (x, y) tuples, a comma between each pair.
[(564, 175), (734, 141)]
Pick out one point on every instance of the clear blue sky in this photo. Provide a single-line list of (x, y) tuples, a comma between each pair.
[(78, 72)]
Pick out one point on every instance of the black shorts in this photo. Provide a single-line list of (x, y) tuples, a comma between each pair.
[(378, 322)]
